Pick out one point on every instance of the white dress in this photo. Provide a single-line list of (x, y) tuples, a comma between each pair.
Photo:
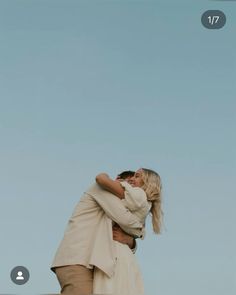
[(127, 278)]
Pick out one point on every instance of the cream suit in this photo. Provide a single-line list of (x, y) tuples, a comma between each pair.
[(88, 238)]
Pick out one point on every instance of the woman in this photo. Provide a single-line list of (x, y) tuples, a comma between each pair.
[(141, 197)]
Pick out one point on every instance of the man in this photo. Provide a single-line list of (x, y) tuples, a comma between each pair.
[(125, 175), (88, 240)]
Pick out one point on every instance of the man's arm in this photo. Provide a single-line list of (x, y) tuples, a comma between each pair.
[(120, 236)]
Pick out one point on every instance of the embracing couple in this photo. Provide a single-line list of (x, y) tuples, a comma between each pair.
[(96, 255)]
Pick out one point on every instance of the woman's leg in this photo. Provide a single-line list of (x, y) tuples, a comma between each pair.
[(75, 280)]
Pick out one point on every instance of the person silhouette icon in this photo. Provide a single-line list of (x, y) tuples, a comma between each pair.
[(20, 276)]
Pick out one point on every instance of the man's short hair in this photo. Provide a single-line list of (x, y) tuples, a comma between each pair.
[(126, 174)]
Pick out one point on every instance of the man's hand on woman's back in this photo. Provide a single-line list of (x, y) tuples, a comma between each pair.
[(120, 236)]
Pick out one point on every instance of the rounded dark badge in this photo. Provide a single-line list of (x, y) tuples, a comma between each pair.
[(213, 19), (20, 275)]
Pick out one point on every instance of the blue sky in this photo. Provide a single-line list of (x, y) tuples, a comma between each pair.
[(99, 86)]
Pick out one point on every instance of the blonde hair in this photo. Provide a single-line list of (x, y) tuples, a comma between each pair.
[(152, 186)]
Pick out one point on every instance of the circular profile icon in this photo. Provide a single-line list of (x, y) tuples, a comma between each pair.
[(213, 19), (20, 275)]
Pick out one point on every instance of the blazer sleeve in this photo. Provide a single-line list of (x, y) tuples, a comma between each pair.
[(116, 211)]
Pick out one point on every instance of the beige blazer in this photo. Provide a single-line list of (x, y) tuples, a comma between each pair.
[(88, 236)]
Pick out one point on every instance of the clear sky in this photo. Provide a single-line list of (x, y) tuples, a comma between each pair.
[(93, 86)]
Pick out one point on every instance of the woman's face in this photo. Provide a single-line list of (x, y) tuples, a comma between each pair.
[(136, 180)]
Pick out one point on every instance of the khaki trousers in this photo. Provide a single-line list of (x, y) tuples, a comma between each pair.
[(75, 280)]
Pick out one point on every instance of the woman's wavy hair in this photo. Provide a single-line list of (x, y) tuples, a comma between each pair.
[(152, 186)]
